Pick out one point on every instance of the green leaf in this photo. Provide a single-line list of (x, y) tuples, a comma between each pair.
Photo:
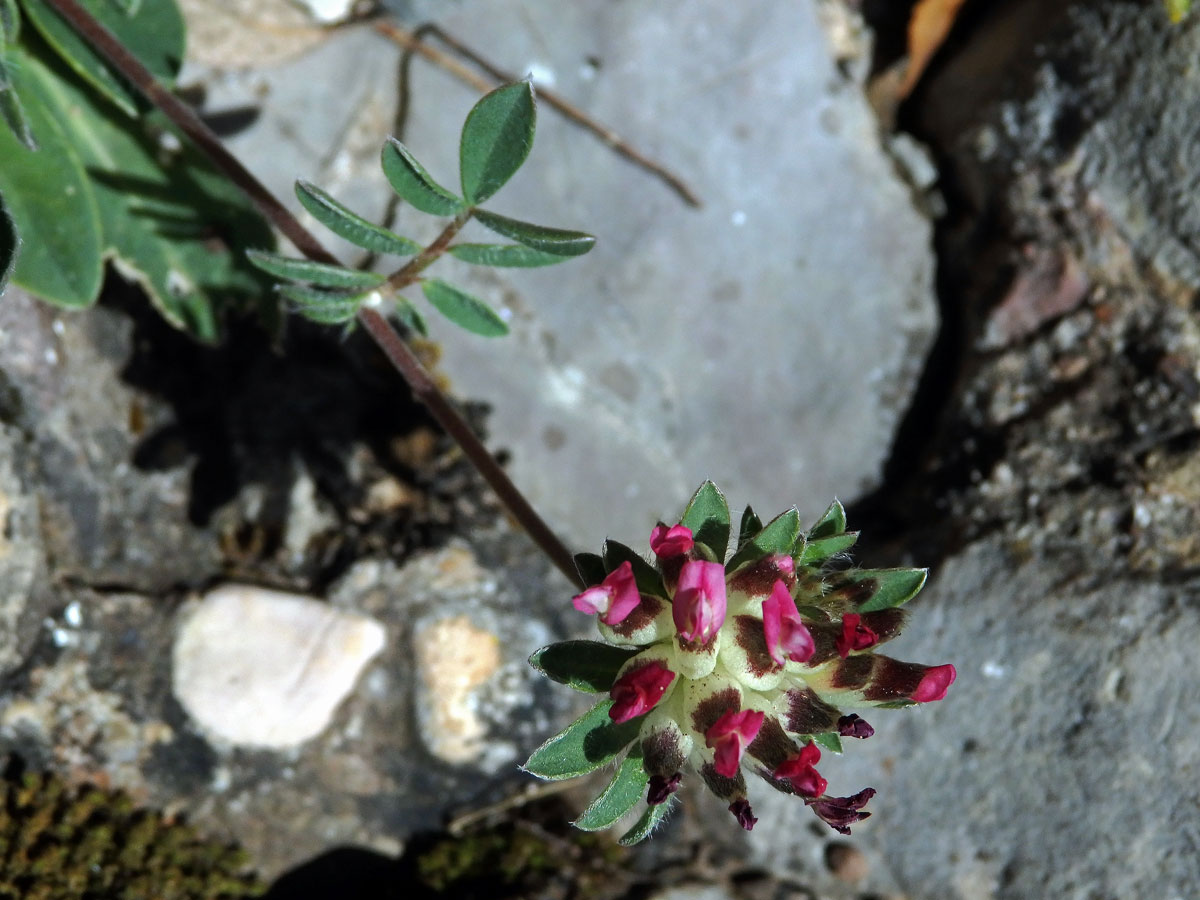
[(509, 256), (707, 515), (462, 309), (8, 245), (307, 271), (777, 536), (50, 199), (750, 525), (886, 588), (816, 552), (590, 567), (410, 318), (167, 222), (10, 22), (11, 109), (324, 306), (830, 740), (554, 241), (155, 35), (592, 741), (496, 139), (350, 225), (409, 179), (628, 786), (651, 819), (587, 666), (832, 521), (648, 578)]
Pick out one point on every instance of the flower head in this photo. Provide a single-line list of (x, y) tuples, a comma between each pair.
[(724, 662), (699, 604)]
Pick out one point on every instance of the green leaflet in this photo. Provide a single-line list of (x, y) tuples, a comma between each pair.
[(588, 666), (510, 256), (832, 521), (12, 111), (651, 819), (154, 34), (463, 309), (627, 787), (316, 273), (707, 515), (50, 199), (555, 241), (816, 552), (410, 318), (777, 536), (875, 589), (346, 223), (750, 525), (496, 139), (323, 306), (585, 745), (409, 179), (648, 579), (830, 740)]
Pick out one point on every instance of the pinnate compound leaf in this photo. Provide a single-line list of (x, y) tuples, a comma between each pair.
[(777, 536), (651, 819), (462, 309), (587, 666), (832, 521), (707, 515), (592, 741), (50, 199), (316, 273), (409, 179), (496, 138), (554, 241), (509, 256), (648, 578), (627, 787), (350, 225), (155, 35), (8, 245)]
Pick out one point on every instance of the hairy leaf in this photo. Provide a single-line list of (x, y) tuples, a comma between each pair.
[(155, 35), (323, 306), (891, 587), (627, 787), (651, 819), (11, 108), (496, 138), (590, 567), (410, 318), (409, 179), (554, 241), (50, 200), (832, 521), (707, 515), (512, 256), (777, 536), (750, 525), (592, 741), (463, 309), (830, 740), (816, 552), (588, 666), (648, 578), (316, 273), (350, 225)]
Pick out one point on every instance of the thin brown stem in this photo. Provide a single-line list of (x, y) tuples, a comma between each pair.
[(389, 340), (412, 41), (407, 274)]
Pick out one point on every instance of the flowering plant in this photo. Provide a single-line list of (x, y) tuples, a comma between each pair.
[(715, 665)]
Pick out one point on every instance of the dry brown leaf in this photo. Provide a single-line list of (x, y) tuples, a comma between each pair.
[(928, 26)]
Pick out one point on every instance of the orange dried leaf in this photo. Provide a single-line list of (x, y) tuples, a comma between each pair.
[(928, 27)]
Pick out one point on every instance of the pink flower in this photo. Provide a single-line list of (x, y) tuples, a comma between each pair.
[(699, 603), (801, 773), (934, 684), (729, 736), (855, 635), (614, 598), (787, 638), (674, 541), (636, 692), (854, 726), (743, 813)]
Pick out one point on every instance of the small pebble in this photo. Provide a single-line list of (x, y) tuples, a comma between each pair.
[(846, 862)]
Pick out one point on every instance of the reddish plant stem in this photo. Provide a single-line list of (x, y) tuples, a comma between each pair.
[(381, 331), (405, 276)]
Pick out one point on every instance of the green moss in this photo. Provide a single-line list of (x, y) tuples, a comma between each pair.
[(61, 844)]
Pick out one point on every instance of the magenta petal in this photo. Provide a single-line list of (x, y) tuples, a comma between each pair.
[(785, 633), (772, 611), (625, 596), (674, 541), (934, 684), (636, 692), (594, 600), (729, 736), (699, 603)]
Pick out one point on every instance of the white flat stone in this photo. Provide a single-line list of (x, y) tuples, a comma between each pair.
[(263, 668)]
